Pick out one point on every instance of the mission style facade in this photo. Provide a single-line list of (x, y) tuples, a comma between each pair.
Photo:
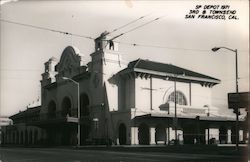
[(142, 102)]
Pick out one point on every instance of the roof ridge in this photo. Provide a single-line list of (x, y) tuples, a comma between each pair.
[(175, 69), (137, 62)]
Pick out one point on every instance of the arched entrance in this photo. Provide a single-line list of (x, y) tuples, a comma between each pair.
[(189, 133), (85, 130), (26, 137), (67, 131), (21, 137), (17, 137), (84, 112), (52, 109), (122, 134), (84, 102), (35, 137), (160, 135), (13, 138), (143, 134), (31, 138), (66, 107)]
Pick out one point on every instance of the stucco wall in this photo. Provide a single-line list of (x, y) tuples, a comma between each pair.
[(64, 89), (161, 89), (200, 95)]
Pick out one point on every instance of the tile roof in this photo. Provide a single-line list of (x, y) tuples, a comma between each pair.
[(27, 112), (168, 69)]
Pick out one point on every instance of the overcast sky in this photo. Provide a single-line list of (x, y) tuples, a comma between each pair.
[(187, 42)]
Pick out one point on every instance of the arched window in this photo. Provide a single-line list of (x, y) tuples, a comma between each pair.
[(180, 98), (84, 101), (66, 107), (52, 109)]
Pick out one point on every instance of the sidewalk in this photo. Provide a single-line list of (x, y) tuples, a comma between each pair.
[(189, 149), (197, 149)]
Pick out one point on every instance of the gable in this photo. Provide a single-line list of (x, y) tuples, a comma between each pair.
[(69, 59), (148, 68), (166, 68)]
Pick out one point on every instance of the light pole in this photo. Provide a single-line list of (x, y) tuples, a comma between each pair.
[(237, 91), (78, 111), (166, 105), (175, 111), (175, 120)]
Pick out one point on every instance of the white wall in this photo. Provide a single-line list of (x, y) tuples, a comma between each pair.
[(200, 96), (142, 94)]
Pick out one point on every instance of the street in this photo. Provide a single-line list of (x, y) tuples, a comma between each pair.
[(72, 155)]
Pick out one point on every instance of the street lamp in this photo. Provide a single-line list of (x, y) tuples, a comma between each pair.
[(237, 91), (78, 111), (175, 120), (175, 110)]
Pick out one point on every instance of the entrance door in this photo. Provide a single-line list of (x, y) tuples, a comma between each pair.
[(85, 130), (122, 134), (143, 134), (189, 134), (160, 135)]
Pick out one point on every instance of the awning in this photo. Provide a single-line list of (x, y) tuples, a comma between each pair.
[(202, 118)]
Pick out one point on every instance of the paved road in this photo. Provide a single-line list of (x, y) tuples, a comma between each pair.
[(71, 155)]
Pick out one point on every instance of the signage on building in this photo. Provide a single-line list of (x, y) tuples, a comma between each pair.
[(72, 120), (238, 100), (194, 110)]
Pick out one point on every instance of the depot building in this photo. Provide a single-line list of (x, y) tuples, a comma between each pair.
[(109, 101)]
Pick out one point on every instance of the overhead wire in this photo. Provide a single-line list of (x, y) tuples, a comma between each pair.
[(47, 29), (149, 22), (129, 23), (91, 38), (157, 46)]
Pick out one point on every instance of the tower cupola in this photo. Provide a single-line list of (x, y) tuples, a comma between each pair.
[(105, 42)]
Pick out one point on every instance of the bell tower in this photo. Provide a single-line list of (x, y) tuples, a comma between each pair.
[(105, 62), (103, 42)]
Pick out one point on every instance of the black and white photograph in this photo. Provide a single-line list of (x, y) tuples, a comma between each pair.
[(124, 81)]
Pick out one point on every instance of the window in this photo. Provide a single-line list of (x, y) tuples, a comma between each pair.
[(66, 107), (180, 98)]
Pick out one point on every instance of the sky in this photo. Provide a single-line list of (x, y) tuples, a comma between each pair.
[(171, 39)]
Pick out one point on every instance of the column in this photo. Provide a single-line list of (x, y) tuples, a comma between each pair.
[(240, 135), (229, 136), (180, 136), (245, 136), (171, 134), (207, 136), (167, 135), (152, 136), (134, 136)]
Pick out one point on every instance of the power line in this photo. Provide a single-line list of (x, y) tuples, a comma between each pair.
[(88, 37), (151, 21), (47, 29), (156, 46), (166, 47), (123, 26)]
